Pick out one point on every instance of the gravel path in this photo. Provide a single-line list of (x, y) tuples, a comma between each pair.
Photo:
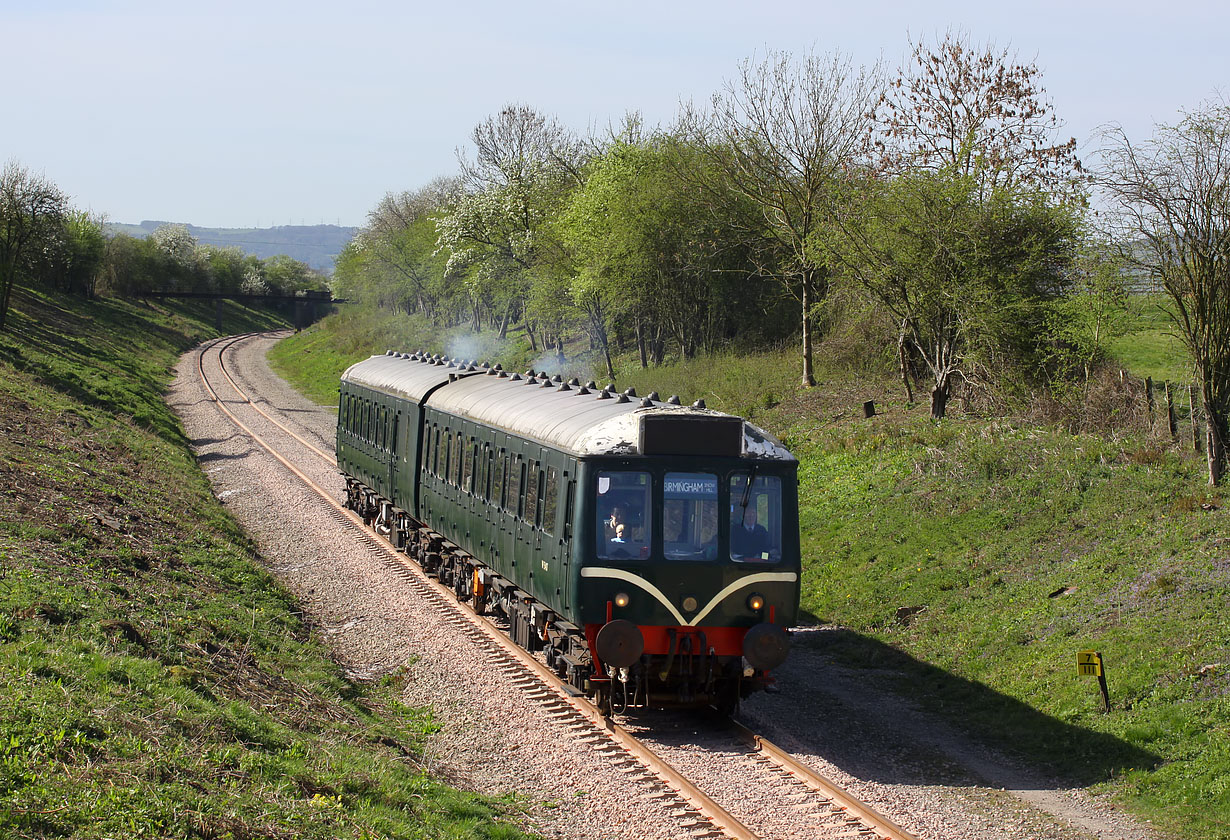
[(911, 768)]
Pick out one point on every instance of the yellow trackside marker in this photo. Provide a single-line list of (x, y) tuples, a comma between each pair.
[(1089, 663)]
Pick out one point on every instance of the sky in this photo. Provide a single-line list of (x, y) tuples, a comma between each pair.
[(255, 113)]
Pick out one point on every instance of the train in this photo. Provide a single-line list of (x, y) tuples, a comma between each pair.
[(647, 550)]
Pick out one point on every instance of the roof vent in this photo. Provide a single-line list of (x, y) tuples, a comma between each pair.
[(653, 395), (564, 387), (698, 404), (492, 371), (646, 403), (529, 380), (389, 353), (631, 392), (557, 378), (623, 398), (591, 385), (674, 400), (574, 382), (547, 383), (529, 374), (516, 377), (503, 374), (499, 366), (582, 390), (605, 395)]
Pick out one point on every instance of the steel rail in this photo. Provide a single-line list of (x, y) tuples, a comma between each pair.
[(885, 827), (712, 811), (328, 457)]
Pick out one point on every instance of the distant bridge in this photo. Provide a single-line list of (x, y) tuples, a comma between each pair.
[(305, 304)]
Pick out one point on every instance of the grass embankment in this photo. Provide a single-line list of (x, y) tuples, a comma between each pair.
[(154, 681), (970, 560)]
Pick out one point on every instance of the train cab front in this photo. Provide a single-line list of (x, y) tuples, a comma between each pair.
[(691, 585)]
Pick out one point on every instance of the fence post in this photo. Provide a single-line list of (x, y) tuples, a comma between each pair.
[(1149, 398), (1197, 438), (1170, 418)]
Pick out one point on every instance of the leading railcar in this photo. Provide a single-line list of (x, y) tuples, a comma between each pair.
[(649, 550)]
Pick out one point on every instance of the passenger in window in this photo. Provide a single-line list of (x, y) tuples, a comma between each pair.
[(615, 525), (749, 540)]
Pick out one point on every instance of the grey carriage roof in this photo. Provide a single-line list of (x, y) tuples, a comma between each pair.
[(572, 420)]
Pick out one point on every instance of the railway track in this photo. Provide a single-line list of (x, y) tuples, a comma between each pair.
[(756, 790)]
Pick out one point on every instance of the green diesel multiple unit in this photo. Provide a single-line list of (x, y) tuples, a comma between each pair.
[(649, 549)]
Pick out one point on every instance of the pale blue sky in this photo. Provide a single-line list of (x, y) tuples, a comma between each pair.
[(258, 113)]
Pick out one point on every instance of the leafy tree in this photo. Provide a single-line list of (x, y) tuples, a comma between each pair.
[(1092, 310), (525, 164), (967, 275), (287, 276), (1172, 194), (406, 268), (179, 255), (31, 207), (86, 252), (966, 237), (649, 251), (224, 268), (781, 135)]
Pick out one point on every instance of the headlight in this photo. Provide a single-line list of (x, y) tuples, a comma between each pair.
[(621, 599), (755, 602), (689, 604)]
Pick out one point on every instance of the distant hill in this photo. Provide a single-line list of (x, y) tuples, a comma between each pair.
[(316, 245)]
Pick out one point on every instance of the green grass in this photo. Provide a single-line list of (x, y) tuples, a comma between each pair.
[(1153, 348), (156, 681), (1023, 544)]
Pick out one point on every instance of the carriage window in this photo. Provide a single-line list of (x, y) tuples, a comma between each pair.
[(434, 438), (548, 516), (448, 455), (625, 504), (755, 518), (520, 479), (497, 481), (459, 456), (690, 516), (467, 468), (531, 494)]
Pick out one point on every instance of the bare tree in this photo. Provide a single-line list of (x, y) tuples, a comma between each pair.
[(975, 111), (516, 146), (780, 134), (1173, 194), (29, 205)]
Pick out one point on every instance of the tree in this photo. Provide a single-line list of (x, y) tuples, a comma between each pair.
[(966, 274), (781, 135), (30, 206), (974, 218), (1172, 194), (649, 251), (525, 165), (1092, 310), (406, 269), (976, 112)]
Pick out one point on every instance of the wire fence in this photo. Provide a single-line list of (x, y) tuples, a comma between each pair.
[(1177, 408)]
